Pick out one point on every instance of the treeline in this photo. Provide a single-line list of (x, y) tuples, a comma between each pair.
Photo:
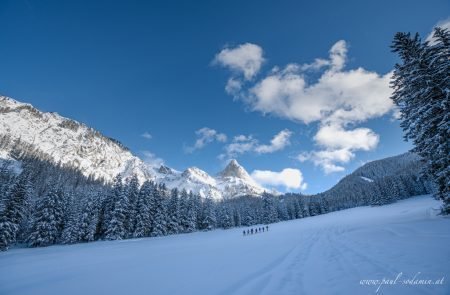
[(47, 204)]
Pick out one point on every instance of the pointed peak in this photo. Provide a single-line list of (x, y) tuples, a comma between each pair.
[(165, 170), (234, 169)]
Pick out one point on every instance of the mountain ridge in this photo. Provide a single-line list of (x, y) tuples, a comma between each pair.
[(69, 142)]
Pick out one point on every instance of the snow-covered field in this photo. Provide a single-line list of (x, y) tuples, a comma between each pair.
[(329, 254)]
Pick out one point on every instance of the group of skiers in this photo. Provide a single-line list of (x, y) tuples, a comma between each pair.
[(255, 231)]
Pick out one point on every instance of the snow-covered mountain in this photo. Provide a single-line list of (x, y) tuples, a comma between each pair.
[(233, 181), (398, 176), (29, 131)]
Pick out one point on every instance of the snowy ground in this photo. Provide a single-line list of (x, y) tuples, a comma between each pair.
[(327, 254)]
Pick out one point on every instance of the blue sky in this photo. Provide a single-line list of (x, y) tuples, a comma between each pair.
[(161, 67)]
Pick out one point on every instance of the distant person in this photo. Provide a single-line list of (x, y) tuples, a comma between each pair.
[(248, 232), (251, 231), (263, 228), (267, 228), (243, 233)]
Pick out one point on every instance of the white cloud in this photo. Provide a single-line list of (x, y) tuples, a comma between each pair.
[(244, 59), (328, 160), (151, 159), (339, 146), (288, 177), (233, 86), (242, 144), (337, 99), (351, 96), (279, 142), (338, 55), (335, 137), (146, 135), (445, 24), (206, 136)]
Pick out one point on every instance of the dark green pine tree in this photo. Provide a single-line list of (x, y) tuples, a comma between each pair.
[(173, 224), (159, 213), (269, 209), (209, 220), (142, 220), (89, 217), (421, 86), (133, 192), (48, 219), (14, 210), (116, 228)]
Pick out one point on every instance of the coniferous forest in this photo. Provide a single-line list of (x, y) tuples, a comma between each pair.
[(45, 204)]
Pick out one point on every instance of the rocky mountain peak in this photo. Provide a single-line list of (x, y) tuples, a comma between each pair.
[(234, 169)]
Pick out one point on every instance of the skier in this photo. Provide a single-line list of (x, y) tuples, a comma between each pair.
[(243, 233), (251, 231), (248, 232), (263, 228), (267, 228)]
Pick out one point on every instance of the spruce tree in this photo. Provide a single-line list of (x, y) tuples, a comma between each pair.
[(14, 210), (88, 219), (116, 228), (209, 219), (421, 86), (142, 220), (159, 212), (48, 219), (173, 225), (133, 192)]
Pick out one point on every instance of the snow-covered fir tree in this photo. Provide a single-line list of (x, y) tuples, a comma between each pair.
[(48, 219), (142, 219), (132, 190), (89, 217), (14, 210), (422, 93), (116, 227), (208, 215), (173, 213), (158, 213)]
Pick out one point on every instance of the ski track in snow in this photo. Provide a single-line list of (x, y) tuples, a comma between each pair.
[(327, 254)]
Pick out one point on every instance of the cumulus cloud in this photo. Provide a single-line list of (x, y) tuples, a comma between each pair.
[(337, 100), (278, 142), (328, 160), (146, 135), (242, 144), (151, 159), (205, 136), (335, 137), (233, 86), (245, 59), (289, 178), (351, 96), (445, 24)]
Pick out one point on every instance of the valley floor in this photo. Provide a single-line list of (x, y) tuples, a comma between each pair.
[(328, 254)]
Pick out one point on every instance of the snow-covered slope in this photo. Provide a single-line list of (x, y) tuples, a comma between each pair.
[(65, 141), (25, 129), (327, 254)]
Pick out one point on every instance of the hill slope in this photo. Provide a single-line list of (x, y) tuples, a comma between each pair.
[(326, 254)]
